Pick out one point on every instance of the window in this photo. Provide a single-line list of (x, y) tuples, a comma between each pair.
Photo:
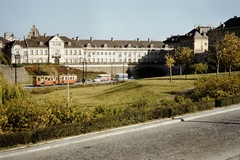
[(79, 52), (46, 52), (75, 52), (66, 52), (31, 52), (25, 53), (36, 52), (70, 52), (41, 52)]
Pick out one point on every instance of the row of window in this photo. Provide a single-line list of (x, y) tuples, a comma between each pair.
[(38, 52), (123, 53), (72, 52), (99, 60)]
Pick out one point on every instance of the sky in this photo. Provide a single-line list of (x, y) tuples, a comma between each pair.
[(118, 19)]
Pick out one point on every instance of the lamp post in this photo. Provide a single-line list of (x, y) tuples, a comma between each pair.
[(67, 86), (16, 57), (83, 79)]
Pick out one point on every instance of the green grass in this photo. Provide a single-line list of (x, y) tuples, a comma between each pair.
[(128, 92), (121, 94)]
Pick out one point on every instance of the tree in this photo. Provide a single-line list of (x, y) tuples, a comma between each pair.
[(215, 36), (199, 68), (230, 47), (169, 63), (183, 57)]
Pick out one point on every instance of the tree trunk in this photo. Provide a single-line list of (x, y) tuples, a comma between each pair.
[(180, 71), (217, 72), (170, 74), (230, 69)]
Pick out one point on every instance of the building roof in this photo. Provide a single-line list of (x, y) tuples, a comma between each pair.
[(230, 23), (120, 43), (3, 40)]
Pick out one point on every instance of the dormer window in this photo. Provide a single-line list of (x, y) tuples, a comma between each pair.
[(105, 45), (151, 46), (89, 45), (41, 43), (69, 43), (129, 46)]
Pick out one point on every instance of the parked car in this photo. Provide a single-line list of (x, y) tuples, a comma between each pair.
[(96, 80)]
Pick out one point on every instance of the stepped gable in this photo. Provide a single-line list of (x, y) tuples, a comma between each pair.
[(34, 33)]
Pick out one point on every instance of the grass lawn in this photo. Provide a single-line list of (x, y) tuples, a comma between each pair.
[(128, 92)]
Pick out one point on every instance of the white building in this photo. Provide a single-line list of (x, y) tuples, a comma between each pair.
[(62, 50)]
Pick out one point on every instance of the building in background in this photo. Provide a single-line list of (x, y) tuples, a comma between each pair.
[(63, 50)]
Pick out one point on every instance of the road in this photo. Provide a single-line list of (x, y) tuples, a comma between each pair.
[(203, 136)]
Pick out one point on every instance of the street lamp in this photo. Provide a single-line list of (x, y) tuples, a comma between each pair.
[(67, 86), (16, 57), (83, 79)]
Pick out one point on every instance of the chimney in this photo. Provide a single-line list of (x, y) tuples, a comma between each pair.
[(77, 39), (91, 38), (24, 37), (45, 34), (112, 39), (58, 35), (149, 39), (138, 39)]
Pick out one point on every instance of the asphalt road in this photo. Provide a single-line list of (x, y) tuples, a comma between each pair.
[(213, 135)]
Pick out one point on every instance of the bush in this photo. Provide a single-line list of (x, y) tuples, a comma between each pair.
[(216, 87), (225, 101)]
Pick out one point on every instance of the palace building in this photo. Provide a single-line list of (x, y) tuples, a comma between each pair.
[(37, 48)]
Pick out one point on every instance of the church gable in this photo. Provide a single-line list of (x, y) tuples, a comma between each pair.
[(34, 33)]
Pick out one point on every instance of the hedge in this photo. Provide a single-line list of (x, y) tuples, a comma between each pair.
[(129, 117), (220, 102)]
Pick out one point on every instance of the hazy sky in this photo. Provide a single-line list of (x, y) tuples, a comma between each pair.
[(120, 19)]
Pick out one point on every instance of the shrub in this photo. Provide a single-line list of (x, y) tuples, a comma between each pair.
[(216, 87), (225, 101)]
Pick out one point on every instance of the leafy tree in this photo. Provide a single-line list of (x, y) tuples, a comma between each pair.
[(215, 54), (199, 68), (169, 63), (183, 57), (230, 47)]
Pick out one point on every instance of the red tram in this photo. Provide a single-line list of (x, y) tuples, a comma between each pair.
[(48, 80)]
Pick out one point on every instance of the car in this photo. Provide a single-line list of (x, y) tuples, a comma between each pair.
[(96, 80)]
